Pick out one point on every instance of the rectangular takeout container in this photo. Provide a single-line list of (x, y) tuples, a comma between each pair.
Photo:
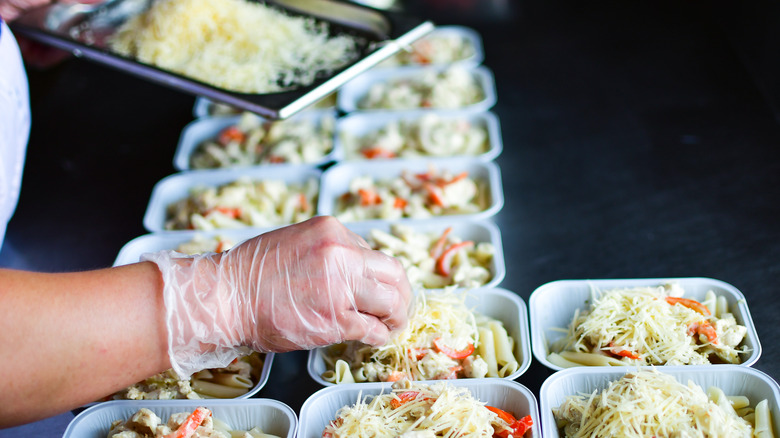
[(350, 95), (178, 186), (84, 29), (361, 124), (336, 180), (552, 305), (476, 231), (208, 128), (734, 380), (497, 303), (321, 407), (271, 416)]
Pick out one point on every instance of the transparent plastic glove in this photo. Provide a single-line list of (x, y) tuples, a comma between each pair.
[(300, 287)]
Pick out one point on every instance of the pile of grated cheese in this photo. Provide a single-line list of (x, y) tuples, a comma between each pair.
[(233, 44), (640, 320), (438, 410), (649, 403)]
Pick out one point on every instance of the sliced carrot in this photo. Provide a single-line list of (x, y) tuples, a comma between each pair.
[(303, 202), (438, 247), (502, 414), (275, 159), (689, 303), (450, 374), (220, 248), (396, 376), (369, 197), (230, 134), (377, 152), (403, 398), (188, 427), (517, 428), (417, 353), (704, 328), (622, 352), (434, 193), (456, 178), (232, 212), (444, 262), (452, 353), (400, 203)]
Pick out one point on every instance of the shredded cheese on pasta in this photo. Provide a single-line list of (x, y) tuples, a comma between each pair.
[(430, 410), (233, 44), (442, 341), (649, 403), (650, 326)]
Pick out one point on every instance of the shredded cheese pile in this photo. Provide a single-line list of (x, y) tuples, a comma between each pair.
[(651, 326), (233, 44), (438, 410), (649, 403)]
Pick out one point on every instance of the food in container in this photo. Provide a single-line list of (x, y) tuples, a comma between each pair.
[(249, 140), (451, 88), (455, 334), (435, 192), (640, 402), (243, 203), (435, 260), (205, 107), (197, 424), (419, 135), (237, 45), (438, 409), (444, 45), (684, 321)]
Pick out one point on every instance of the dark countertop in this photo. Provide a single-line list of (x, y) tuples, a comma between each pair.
[(636, 144)]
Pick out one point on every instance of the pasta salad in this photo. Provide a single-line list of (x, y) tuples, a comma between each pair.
[(650, 326), (410, 195), (436, 260), (429, 136), (435, 48), (253, 141), (244, 203), (425, 411), (444, 340), (454, 87), (650, 403), (200, 423), (232, 381)]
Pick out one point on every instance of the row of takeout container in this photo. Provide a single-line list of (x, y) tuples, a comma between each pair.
[(550, 306)]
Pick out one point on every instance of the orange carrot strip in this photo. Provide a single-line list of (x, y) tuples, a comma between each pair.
[(187, 428), (622, 352), (230, 134), (689, 303), (438, 247), (444, 262), (403, 398), (451, 352)]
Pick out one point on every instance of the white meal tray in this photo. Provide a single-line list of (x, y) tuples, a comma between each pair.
[(178, 186), (553, 304), (271, 416), (469, 35), (207, 128), (732, 379), (496, 303), (164, 240), (354, 90), (336, 180), (361, 124), (321, 407)]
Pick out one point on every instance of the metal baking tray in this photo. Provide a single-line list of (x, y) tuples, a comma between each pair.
[(83, 29)]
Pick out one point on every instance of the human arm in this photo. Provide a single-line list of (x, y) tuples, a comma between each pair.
[(74, 338)]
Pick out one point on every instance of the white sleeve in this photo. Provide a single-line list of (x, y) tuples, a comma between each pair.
[(14, 124)]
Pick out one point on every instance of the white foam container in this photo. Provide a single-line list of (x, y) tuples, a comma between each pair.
[(271, 416), (354, 90), (336, 180), (497, 303), (321, 407), (553, 304), (732, 379), (207, 128), (178, 186), (469, 35), (361, 124)]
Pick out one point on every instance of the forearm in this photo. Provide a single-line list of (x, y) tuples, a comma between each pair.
[(68, 339)]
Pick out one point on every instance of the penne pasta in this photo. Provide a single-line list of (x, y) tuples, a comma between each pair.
[(214, 390)]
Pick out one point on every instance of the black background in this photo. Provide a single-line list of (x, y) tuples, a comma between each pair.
[(641, 139)]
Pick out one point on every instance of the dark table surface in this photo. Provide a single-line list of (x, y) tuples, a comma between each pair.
[(636, 144)]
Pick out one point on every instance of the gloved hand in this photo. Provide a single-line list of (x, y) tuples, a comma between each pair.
[(307, 285)]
